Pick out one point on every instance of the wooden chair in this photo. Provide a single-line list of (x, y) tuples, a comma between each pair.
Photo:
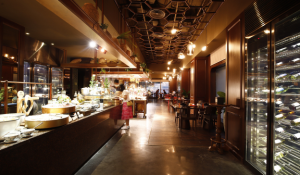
[(209, 116), (189, 113)]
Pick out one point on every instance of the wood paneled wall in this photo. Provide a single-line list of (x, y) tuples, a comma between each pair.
[(173, 85), (235, 117), (199, 83), (185, 80)]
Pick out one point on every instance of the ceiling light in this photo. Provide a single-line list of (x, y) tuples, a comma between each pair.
[(181, 68), (191, 47), (168, 68), (174, 70), (181, 56), (12, 57), (52, 44), (173, 31), (27, 33), (169, 62), (93, 44), (267, 31), (102, 50), (164, 78), (170, 78), (204, 48), (6, 55)]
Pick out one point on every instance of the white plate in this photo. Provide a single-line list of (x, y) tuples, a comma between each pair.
[(13, 141), (26, 136)]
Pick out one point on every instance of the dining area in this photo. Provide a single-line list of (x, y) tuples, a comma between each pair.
[(207, 116)]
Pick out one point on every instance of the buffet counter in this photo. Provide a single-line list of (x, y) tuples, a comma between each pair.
[(61, 150)]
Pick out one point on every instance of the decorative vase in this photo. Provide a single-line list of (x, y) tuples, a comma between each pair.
[(123, 47), (91, 10), (116, 41), (128, 52)]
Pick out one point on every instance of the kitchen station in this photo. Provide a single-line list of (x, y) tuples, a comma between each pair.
[(150, 87)]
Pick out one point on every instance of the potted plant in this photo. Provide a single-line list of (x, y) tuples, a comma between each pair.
[(128, 70), (142, 66), (185, 93), (104, 28), (133, 56), (1, 94), (102, 71), (126, 36)]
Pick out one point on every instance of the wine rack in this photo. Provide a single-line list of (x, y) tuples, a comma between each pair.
[(257, 92), (57, 82), (286, 81)]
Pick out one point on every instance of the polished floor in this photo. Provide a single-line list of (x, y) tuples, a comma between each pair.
[(155, 146)]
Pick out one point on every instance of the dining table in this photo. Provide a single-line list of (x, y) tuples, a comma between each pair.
[(185, 124)]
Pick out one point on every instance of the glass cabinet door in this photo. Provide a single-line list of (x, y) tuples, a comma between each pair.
[(257, 91), (57, 82), (286, 143), (41, 91), (26, 87)]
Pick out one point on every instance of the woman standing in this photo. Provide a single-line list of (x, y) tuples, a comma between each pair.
[(126, 110)]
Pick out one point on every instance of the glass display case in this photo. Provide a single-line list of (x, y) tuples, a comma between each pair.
[(26, 87), (256, 100), (286, 143), (273, 97), (41, 91), (57, 82)]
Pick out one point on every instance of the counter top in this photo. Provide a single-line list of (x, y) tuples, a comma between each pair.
[(44, 131)]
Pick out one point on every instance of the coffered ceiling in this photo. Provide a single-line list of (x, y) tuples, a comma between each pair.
[(151, 22)]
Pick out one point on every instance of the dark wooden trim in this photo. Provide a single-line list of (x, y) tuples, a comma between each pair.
[(21, 48), (1, 38), (73, 7), (220, 63), (90, 65)]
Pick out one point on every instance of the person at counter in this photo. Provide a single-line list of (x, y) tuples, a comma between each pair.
[(126, 110)]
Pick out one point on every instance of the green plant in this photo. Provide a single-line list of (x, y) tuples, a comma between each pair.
[(102, 71), (128, 70), (185, 93), (127, 37), (147, 70), (134, 55), (92, 82), (103, 26), (1, 94), (221, 94), (106, 83), (143, 65)]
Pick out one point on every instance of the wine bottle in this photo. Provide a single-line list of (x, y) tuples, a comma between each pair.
[(294, 106), (278, 142), (278, 103), (279, 130), (295, 136), (295, 122), (277, 168), (280, 116), (294, 113)]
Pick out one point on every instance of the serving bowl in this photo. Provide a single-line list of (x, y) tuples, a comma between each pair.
[(27, 131), (11, 136), (9, 122)]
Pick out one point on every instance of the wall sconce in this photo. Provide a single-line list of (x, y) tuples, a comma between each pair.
[(103, 50), (191, 47), (181, 56)]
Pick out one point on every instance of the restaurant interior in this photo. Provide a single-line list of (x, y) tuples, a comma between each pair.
[(208, 83)]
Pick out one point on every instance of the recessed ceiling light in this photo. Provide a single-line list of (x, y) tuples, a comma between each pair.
[(27, 33), (52, 44)]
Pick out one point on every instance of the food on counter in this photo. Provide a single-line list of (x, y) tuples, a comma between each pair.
[(7, 118), (46, 117)]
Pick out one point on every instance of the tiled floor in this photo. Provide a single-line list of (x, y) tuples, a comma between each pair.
[(156, 146)]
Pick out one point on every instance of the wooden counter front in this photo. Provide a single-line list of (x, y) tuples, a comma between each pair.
[(61, 150)]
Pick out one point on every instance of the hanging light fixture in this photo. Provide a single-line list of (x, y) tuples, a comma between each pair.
[(190, 48), (173, 31), (168, 68), (169, 62), (205, 47), (181, 56)]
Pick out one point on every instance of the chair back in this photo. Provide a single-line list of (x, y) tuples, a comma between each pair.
[(192, 110), (210, 110)]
